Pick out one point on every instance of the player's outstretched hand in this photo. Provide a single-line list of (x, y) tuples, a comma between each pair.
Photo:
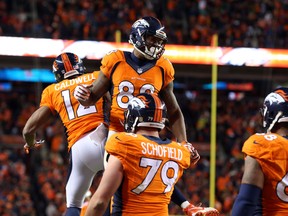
[(194, 157), (192, 210), (82, 92), (37, 144)]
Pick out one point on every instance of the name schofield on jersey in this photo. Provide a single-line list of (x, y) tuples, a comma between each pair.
[(78, 80), (162, 151)]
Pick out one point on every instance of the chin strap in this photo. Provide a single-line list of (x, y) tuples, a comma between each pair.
[(274, 121)]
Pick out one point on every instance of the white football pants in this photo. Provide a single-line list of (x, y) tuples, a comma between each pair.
[(87, 159)]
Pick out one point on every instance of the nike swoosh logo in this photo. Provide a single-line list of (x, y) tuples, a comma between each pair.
[(117, 138), (255, 142)]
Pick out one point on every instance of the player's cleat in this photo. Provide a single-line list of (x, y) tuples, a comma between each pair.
[(192, 210)]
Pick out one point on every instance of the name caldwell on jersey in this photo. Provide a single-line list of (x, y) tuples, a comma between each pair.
[(78, 80)]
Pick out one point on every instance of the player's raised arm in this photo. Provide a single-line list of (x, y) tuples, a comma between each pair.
[(174, 113), (89, 95)]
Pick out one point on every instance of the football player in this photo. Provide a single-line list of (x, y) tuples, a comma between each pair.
[(126, 74), (85, 126), (264, 183), (143, 168)]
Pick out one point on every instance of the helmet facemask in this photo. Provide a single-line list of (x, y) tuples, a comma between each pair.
[(130, 121), (153, 47)]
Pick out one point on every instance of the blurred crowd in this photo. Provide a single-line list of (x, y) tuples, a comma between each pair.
[(255, 23), (35, 184), (40, 176)]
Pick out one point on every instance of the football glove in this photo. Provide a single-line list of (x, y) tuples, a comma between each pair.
[(37, 144), (194, 155), (192, 210)]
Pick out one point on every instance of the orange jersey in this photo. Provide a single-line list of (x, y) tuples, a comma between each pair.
[(77, 119), (128, 79), (271, 152), (151, 169)]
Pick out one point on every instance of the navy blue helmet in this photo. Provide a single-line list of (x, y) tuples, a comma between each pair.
[(67, 65), (144, 110), (148, 37)]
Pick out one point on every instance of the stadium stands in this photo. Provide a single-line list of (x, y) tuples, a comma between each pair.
[(39, 176), (238, 23)]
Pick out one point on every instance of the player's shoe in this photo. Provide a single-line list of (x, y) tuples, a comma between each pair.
[(192, 210)]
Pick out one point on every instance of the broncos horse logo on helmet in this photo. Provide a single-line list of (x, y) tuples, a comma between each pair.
[(148, 37), (67, 65), (275, 108), (144, 110)]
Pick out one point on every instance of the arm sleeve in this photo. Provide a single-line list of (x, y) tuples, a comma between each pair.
[(177, 197), (247, 201)]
